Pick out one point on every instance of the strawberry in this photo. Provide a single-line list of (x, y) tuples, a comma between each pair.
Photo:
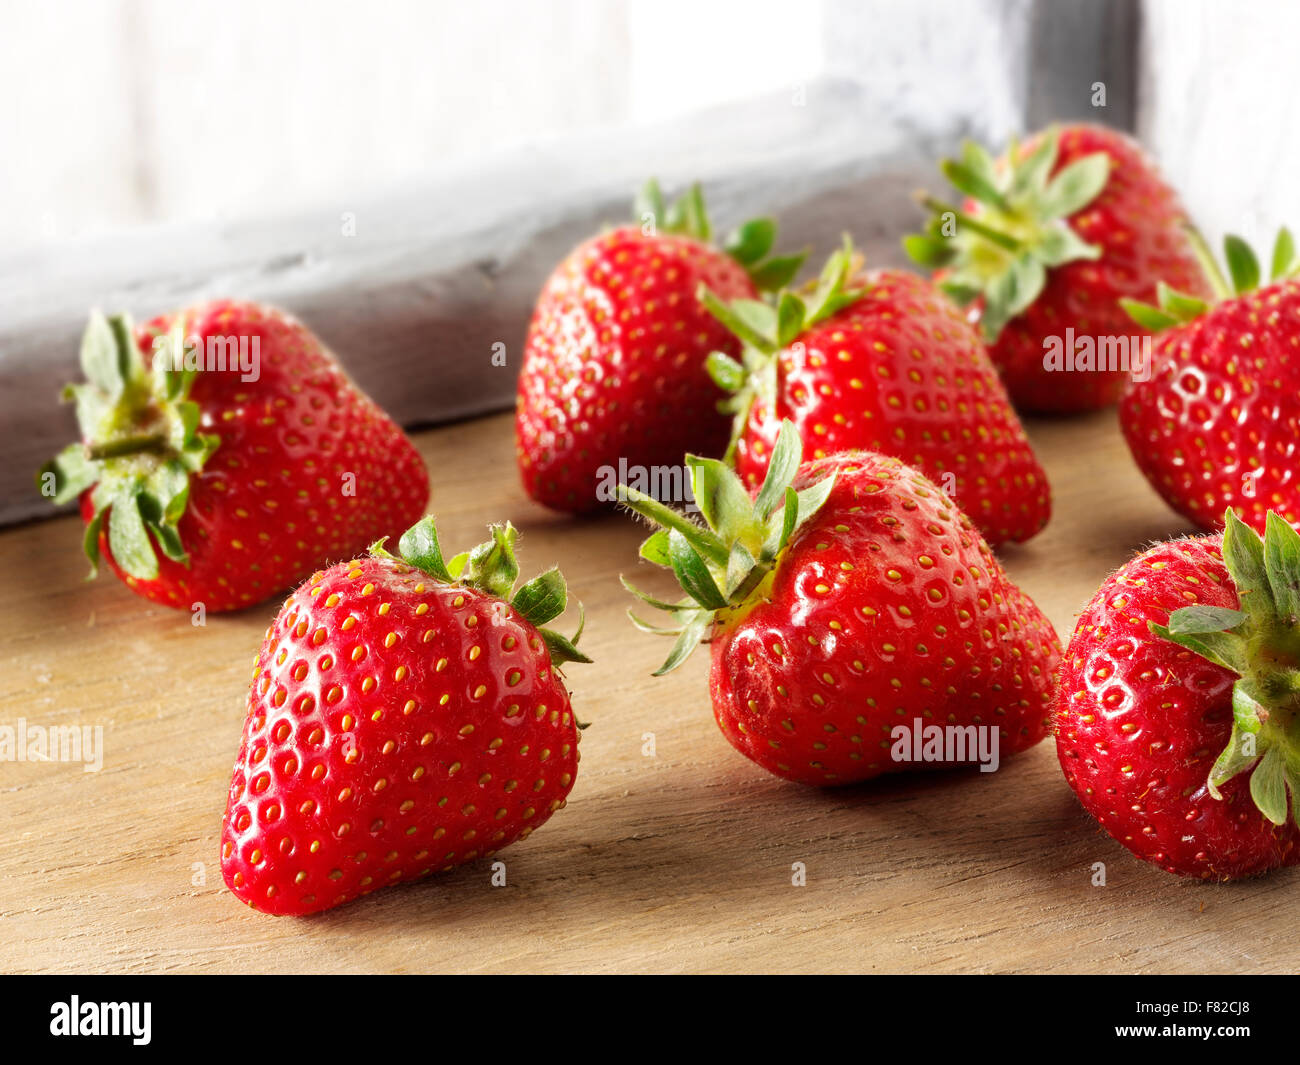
[(1177, 714), (848, 600), (881, 362), (1049, 238), (1214, 423), (406, 715), (613, 365), (239, 451)]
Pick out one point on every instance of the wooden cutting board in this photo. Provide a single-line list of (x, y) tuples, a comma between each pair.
[(678, 862)]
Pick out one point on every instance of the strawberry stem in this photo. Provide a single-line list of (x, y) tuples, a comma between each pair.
[(123, 411), (1002, 240), (126, 445), (1209, 265)]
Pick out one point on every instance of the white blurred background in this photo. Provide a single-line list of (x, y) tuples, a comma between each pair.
[(115, 113)]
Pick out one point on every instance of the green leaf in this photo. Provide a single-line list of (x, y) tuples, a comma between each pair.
[(1268, 785), (695, 217), (174, 509), (1152, 319), (1197, 619), (693, 574), (958, 291), (165, 493), (128, 540), (562, 648), (543, 598), (658, 630), (1243, 267), (704, 540), (101, 360), (1284, 260), (1292, 773), (1012, 291), (751, 241), (650, 201), (977, 160), (1061, 244), (781, 469), (1232, 760), (790, 312), (658, 604), (73, 473), (725, 371), (812, 499), (777, 272), (752, 321), (1209, 265), (1221, 648), (930, 252), (170, 541), (1282, 563), (836, 269), (419, 546), (655, 548), (92, 405), (492, 565), (1032, 171), (1248, 713), (789, 520), (973, 184), (689, 639), (1182, 306), (833, 292), (721, 497), (740, 564), (1075, 186), (1028, 278), (1243, 554), (90, 543)]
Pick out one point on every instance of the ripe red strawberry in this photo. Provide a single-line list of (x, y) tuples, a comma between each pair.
[(1216, 421), (853, 613), (227, 439), (1177, 717), (1049, 238), (614, 361), (882, 362), (406, 715)]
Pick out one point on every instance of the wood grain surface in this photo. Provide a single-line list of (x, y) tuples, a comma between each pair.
[(677, 862)]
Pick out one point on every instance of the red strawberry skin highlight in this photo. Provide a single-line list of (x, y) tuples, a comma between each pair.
[(1139, 722), (1137, 222), (1218, 422), (886, 606), (307, 467), (901, 372), (614, 363), (397, 725)]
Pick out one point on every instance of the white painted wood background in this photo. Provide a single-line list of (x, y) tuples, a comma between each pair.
[(120, 112), (1217, 105)]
